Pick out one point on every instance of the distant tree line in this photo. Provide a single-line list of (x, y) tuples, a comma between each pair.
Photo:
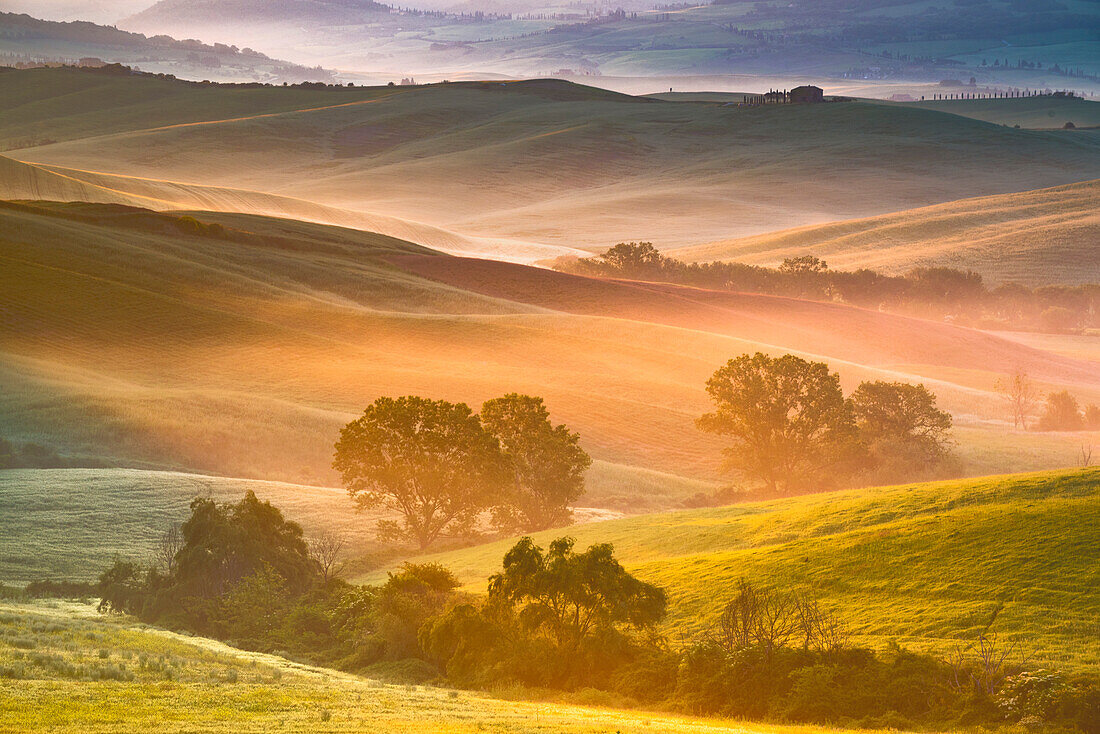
[(927, 292), (30, 455), (578, 623)]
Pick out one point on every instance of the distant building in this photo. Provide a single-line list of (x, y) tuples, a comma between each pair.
[(92, 62), (807, 94)]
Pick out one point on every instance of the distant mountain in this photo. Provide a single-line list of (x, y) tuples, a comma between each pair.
[(201, 12), (27, 42), (1021, 43)]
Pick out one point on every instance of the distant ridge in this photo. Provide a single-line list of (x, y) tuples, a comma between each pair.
[(1035, 237)]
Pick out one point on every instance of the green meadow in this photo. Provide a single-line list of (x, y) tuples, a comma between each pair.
[(929, 566)]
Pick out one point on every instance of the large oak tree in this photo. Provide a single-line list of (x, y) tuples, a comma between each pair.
[(429, 460), (787, 417)]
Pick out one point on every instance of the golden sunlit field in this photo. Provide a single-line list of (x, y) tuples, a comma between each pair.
[(1032, 237), (164, 333)]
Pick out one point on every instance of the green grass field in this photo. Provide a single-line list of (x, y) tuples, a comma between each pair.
[(63, 668), (69, 524), (926, 565)]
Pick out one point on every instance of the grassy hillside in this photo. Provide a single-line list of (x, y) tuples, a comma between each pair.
[(63, 668), (926, 565), (1034, 237), (1037, 113), (537, 162), (69, 524), (153, 340)]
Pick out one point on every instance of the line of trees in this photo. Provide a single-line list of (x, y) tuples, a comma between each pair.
[(792, 428), (928, 292), (576, 622), (440, 467)]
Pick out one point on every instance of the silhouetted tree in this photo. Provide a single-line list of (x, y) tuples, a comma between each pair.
[(545, 463), (224, 543), (169, 544), (633, 258), (429, 460), (787, 416), (573, 596), (1062, 413), (325, 548)]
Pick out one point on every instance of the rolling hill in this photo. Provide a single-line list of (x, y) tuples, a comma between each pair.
[(537, 163), (237, 345), (1033, 237), (924, 565)]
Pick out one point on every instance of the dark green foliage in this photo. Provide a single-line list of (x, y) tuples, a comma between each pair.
[(545, 463), (224, 543), (556, 619), (429, 460), (573, 597)]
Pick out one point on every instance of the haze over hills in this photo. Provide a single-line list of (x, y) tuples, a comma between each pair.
[(515, 162), (1034, 237), (27, 41), (1032, 44), (158, 337)]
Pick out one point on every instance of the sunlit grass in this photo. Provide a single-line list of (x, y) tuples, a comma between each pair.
[(65, 669), (928, 565)]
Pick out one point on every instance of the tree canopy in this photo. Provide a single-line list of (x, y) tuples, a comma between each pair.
[(429, 460), (545, 462), (572, 596), (787, 416)]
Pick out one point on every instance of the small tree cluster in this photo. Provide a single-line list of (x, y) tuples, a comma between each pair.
[(440, 466), (790, 423), (1062, 412)]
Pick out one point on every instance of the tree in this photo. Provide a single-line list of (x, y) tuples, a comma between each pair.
[(224, 543), (429, 460), (787, 416), (325, 548), (1061, 413), (170, 543), (1092, 417), (633, 258), (1021, 394), (545, 463), (899, 424), (803, 264), (573, 596)]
